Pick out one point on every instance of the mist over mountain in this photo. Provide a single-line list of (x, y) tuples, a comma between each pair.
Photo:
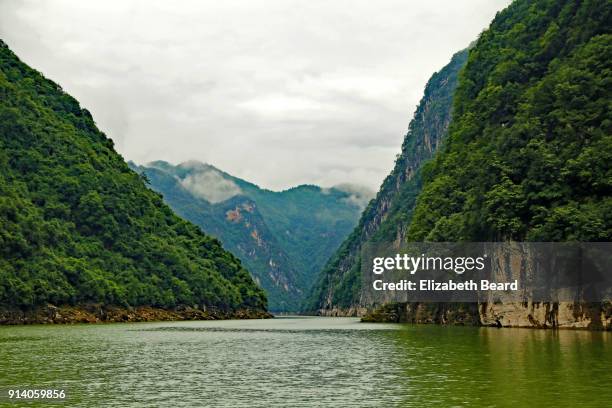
[(282, 237)]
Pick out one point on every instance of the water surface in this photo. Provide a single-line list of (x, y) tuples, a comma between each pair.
[(307, 361)]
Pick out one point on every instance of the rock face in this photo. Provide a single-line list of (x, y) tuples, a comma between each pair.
[(568, 315), (337, 291), (560, 285), (540, 315)]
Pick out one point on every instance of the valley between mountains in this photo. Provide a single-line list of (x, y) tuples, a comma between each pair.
[(283, 238), (511, 141)]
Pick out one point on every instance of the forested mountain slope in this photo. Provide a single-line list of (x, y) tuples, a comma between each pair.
[(529, 152), (78, 226)]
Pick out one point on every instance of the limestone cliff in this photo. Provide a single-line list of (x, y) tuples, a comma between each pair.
[(336, 293)]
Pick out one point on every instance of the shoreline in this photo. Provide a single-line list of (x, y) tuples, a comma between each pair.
[(532, 315), (100, 314)]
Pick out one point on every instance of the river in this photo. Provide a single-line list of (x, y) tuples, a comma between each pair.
[(306, 361)]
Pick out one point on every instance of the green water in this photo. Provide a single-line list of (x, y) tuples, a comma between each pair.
[(307, 362)]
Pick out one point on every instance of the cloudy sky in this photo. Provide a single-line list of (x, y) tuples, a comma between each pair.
[(279, 92)]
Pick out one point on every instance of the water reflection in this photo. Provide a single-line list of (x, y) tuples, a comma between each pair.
[(505, 367)]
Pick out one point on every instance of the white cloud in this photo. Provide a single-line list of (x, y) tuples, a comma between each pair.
[(359, 195), (210, 185), (278, 92)]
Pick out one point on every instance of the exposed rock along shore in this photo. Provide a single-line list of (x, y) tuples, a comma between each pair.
[(540, 315), (92, 313)]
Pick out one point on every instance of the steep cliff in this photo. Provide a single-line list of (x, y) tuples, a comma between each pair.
[(529, 152), (337, 290)]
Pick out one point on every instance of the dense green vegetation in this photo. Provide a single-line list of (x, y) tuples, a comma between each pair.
[(529, 152), (283, 238), (387, 216), (78, 226)]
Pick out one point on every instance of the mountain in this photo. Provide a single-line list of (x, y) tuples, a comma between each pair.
[(77, 226), (338, 286), (527, 157), (283, 237), (530, 148)]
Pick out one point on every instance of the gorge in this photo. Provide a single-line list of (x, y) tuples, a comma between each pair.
[(282, 237)]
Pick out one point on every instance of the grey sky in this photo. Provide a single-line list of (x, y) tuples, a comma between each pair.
[(278, 92)]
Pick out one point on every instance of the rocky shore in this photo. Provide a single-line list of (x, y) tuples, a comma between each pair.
[(538, 315), (95, 313)]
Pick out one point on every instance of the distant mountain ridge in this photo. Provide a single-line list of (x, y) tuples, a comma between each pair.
[(282, 237)]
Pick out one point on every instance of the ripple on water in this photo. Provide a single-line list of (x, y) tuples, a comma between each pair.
[(306, 362)]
